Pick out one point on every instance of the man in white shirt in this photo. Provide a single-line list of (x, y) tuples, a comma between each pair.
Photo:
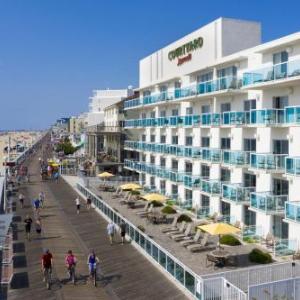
[(77, 201), (111, 229)]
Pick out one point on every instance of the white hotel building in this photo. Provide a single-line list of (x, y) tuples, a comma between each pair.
[(218, 126)]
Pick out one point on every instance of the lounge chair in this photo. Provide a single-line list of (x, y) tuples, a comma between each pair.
[(210, 258), (200, 246), (172, 227), (145, 209), (192, 240), (148, 211), (269, 240), (180, 229), (181, 236)]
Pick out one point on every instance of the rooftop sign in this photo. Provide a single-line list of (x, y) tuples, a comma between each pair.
[(185, 49)]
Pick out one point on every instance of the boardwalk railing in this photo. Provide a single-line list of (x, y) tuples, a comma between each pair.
[(199, 288)]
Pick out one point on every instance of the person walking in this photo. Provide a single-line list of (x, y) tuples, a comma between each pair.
[(28, 222), (122, 231), (70, 262), (38, 226), (77, 202), (21, 200), (42, 198), (88, 203), (47, 264), (111, 229)]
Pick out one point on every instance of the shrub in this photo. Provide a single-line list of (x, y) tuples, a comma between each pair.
[(170, 202), (156, 204), (260, 257), (133, 192), (168, 210), (141, 228), (185, 218), (250, 240), (229, 240)]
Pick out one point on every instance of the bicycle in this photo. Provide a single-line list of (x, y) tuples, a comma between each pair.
[(47, 277), (93, 272), (71, 271)]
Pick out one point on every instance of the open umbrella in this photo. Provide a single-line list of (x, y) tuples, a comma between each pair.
[(155, 197), (130, 186), (219, 229), (105, 175)]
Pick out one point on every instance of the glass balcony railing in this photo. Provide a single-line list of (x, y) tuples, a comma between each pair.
[(210, 186), (186, 92), (292, 166), (236, 158), (211, 155), (236, 192), (223, 83), (203, 212), (271, 73), (267, 116), (292, 115), (292, 211), (192, 181), (268, 202), (210, 119), (185, 204), (236, 118), (266, 161)]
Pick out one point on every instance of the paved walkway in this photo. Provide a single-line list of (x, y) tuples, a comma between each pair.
[(126, 273)]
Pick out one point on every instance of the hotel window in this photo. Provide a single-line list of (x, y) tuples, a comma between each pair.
[(280, 65), (280, 102), (249, 104), (250, 145), (205, 77), (225, 143), (205, 171), (280, 147), (174, 165), (174, 190), (162, 185), (225, 107), (229, 71), (152, 138), (225, 175), (188, 167), (188, 194), (146, 93), (174, 139), (280, 187), (152, 114), (143, 157), (174, 112), (205, 141), (188, 140), (205, 109), (177, 84), (143, 178), (162, 113), (144, 115), (143, 138), (189, 111), (152, 182), (249, 180), (162, 162), (152, 159), (163, 139), (204, 201)]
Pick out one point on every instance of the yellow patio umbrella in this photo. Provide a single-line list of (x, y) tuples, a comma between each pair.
[(219, 229), (155, 197), (130, 186), (105, 175), (55, 165)]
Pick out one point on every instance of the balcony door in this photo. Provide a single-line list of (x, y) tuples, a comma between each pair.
[(280, 146), (280, 228), (280, 187)]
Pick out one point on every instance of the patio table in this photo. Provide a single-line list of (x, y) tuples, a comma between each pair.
[(221, 256)]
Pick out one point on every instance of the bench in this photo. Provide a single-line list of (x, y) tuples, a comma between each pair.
[(7, 274), (7, 255)]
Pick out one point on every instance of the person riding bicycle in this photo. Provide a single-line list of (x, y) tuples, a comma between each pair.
[(47, 263), (70, 262), (92, 262)]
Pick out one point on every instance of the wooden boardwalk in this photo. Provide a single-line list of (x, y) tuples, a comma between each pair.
[(126, 273)]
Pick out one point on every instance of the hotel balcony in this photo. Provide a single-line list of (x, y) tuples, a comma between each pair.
[(184, 204), (292, 211), (274, 163), (236, 118), (237, 193), (292, 166), (202, 88), (282, 73), (292, 114), (236, 158), (268, 202), (211, 186), (192, 181), (211, 155), (203, 212), (210, 119), (267, 117)]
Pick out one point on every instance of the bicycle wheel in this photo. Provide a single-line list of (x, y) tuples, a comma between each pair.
[(95, 277)]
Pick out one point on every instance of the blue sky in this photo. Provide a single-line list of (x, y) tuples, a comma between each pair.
[(53, 53)]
